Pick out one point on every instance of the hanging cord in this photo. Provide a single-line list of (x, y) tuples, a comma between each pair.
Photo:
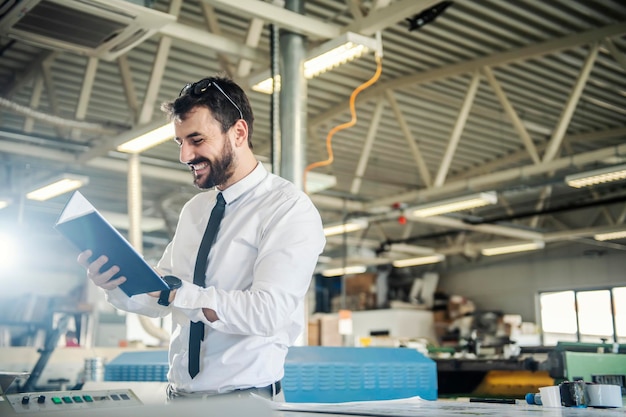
[(352, 122)]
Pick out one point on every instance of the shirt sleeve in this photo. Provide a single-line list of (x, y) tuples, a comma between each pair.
[(139, 303), (291, 242)]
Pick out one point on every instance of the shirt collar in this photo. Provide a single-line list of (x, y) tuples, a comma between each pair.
[(247, 183)]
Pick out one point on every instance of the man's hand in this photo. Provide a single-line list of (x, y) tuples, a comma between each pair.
[(101, 278)]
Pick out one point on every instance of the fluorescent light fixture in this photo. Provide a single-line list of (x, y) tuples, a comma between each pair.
[(148, 140), (610, 235), (327, 56), (456, 204), (348, 270), (4, 202), (122, 221), (323, 259), (338, 51), (263, 83), (316, 182), (350, 226), (411, 249), (518, 247), (62, 185), (598, 176), (420, 260)]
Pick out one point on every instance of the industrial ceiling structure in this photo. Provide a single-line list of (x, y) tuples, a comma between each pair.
[(505, 98)]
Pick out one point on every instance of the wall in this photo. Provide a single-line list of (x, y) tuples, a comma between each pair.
[(510, 283)]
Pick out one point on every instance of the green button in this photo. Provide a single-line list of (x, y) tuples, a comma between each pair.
[(77, 399), (56, 400), (67, 400), (88, 398)]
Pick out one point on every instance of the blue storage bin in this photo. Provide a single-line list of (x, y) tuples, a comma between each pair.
[(339, 374), (138, 366)]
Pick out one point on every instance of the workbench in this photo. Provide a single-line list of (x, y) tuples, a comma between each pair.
[(257, 407), (415, 407)]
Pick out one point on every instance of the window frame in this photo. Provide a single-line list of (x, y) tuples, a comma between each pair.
[(615, 338)]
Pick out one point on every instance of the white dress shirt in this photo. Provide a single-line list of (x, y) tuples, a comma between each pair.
[(259, 271)]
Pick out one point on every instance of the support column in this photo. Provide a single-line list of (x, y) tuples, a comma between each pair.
[(293, 103)]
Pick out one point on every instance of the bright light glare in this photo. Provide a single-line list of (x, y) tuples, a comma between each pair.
[(148, 140), (456, 204), (335, 272), (350, 226), (8, 251), (558, 312), (594, 314), (61, 186), (619, 295)]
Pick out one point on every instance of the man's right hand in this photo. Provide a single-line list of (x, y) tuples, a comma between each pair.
[(101, 278)]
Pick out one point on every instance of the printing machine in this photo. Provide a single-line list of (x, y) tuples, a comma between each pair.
[(537, 366), (593, 362), (121, 402)]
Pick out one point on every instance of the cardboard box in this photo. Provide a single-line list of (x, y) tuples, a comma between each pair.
[(360, 283), (329, 331), (324, 330), (314, 332), (440, 316)]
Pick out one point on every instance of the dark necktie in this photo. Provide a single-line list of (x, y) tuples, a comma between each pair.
[(196, 332)]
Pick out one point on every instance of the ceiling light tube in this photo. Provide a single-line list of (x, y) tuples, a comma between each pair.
[(329, 55), (317, 181), (263, 83), (4, 202), (348, 270), (411, 249), (455, 204), (62, 185), (610, 235), (421, 260), (148, 140), (595, 177), (350, 226), (518, 247)]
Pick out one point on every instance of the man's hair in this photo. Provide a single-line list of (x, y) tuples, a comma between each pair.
[(215, 96)]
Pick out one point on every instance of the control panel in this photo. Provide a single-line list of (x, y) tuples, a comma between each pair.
[(67, 401)]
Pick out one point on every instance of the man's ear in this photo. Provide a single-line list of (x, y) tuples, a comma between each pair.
[(240, 130)]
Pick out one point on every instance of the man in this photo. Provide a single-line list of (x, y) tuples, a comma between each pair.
[(250, 302)]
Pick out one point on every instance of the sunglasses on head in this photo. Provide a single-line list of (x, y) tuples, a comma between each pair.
[(198, 88)]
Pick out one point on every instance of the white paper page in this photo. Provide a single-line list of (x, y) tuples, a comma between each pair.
[(418, 407), (77, 206)]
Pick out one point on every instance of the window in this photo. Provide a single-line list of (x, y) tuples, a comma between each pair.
[(591, 316)]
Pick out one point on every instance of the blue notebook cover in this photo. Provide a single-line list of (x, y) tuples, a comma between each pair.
[(85, 228)]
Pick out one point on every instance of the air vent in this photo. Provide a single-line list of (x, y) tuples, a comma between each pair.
[(102, 28)]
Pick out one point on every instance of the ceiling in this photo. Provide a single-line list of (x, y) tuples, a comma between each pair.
[(491, 95)]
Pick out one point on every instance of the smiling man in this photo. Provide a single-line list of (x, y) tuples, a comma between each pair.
[(247, 302)]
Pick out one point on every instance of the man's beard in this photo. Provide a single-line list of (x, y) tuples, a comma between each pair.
[(220, 170)]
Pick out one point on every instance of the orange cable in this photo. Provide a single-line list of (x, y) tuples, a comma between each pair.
[(346, 125)]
